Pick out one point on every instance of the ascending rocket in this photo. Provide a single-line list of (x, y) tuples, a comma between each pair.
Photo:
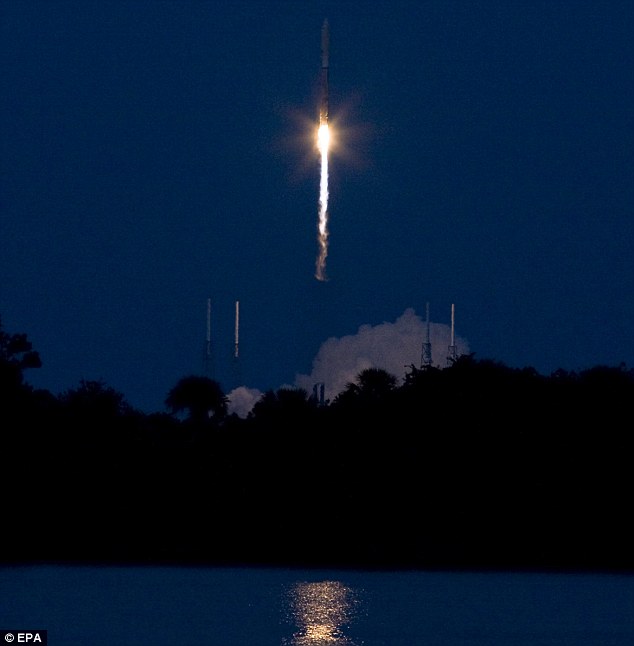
[(325, 38)]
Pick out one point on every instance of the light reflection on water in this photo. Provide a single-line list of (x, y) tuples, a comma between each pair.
[(321, 612)]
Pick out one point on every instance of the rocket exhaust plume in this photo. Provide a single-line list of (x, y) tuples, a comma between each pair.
[(323, 142)]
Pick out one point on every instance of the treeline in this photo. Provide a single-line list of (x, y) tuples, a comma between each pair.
[(477, 465)]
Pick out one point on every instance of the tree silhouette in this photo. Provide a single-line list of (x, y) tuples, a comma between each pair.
[(24, 409), (93, 398), (284, 402), (375, 382), (505, 466), (94, 414), (16, 355), (372, 387), (202, 397), (287, 409)]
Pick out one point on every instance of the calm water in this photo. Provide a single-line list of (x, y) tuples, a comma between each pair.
[(170, 606)]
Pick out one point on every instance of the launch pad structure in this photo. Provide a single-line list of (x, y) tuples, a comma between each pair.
[(208, 348)]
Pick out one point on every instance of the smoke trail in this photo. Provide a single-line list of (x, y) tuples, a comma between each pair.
[(323, 140)]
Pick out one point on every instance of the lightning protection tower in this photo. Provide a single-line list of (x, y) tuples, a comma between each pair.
[(207, 355), (451, 357), (237, 376), (425, 358)]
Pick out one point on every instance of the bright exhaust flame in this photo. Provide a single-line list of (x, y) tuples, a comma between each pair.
[(323, 142)]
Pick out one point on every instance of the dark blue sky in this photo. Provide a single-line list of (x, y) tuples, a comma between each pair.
[(156, 154)]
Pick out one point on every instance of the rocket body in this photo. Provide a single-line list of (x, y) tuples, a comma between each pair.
[(325, 46)]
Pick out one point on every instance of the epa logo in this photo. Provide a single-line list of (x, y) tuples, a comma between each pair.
[(24, 638)]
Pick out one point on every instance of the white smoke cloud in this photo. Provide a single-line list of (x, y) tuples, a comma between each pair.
[(393, 347), (242, 400)]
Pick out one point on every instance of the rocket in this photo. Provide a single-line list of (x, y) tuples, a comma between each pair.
[(325, 43)]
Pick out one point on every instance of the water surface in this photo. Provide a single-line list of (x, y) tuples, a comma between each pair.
[(173, 606)]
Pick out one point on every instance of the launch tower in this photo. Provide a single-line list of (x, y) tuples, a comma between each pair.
[(237, 376), (451, 356), (207, 354)]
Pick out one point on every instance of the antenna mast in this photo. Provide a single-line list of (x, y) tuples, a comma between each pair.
[(451, 357)]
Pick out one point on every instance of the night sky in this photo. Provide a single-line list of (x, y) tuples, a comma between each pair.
[(159, 154)]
